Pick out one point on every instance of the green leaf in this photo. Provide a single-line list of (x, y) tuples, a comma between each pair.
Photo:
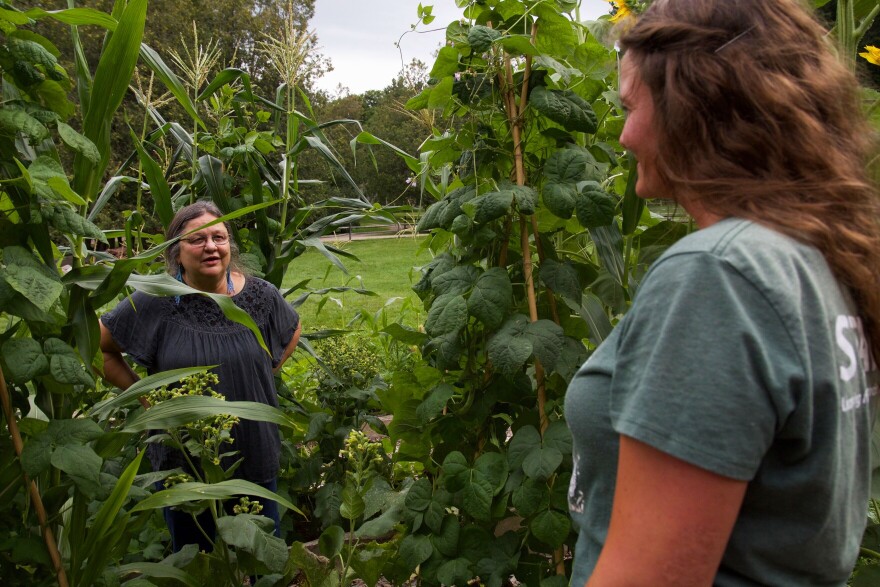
[(526, 198), (414, 550), (31, 278), (456, 471), (110, 85), (420, 101), (867, 576), (448, 315), (523, 442), (37, 453), (142, 387), (159, 570), (14, 121), (192, 491), (559, 198), (331, 540), (477, 496), (65, 364), (446, 63), (595, 207), (490, 206), (418, 498), (480, 38), (69, 221), (551, 527), (455, 572), (446, 539), (609, 247), (82, 464), (434, 403), (249, 533), (562, 278), (541, 462), (530, 497), (181, 410), (405, 334), (457, 281), (352, 506), (338, 167), (60, 187), (159, 189), (547, 339), (441, 93), (508, 349), (564, 108), (78, 143), (518, 45), (633, 205), (567, 166), (556, 34), (558, 436), (493, 467), (24, 359), (491, 298), (171, 81), (100, 533), (75, 16), (593, 313)]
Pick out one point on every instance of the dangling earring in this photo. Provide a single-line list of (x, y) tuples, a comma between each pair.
[(180, 279), (230, 287)]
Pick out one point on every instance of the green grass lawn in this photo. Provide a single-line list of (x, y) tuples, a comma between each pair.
[(385, 266)]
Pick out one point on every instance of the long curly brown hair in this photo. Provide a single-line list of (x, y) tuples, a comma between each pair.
[(758, 118)]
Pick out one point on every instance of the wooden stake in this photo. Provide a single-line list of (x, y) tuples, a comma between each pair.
[(48, 536)]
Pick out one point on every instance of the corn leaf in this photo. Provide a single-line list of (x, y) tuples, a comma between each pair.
[(110, 85)]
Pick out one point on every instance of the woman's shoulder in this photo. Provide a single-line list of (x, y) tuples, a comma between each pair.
[(257, 286), (758, 252)]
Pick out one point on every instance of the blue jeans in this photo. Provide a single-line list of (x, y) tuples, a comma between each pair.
[(184, 530)]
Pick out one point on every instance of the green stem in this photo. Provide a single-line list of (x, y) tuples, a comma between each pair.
[(869, 553), (627, 255), (846, 32), (195, 160), (290, 139)]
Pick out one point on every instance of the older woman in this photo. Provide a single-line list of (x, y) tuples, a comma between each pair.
[(162, 333), (722, 431)]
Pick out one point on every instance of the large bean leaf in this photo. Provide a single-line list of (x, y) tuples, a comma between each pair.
[(24, 359), (565, 108), (28, 276), (37, 453), (551, 527), (253, 534), (491, 297)]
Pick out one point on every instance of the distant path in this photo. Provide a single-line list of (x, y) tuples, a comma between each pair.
[(405, 232)]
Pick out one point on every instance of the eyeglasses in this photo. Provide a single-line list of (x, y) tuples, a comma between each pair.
[(202, 240)]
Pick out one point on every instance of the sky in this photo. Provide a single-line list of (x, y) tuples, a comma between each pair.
[(359, 37)]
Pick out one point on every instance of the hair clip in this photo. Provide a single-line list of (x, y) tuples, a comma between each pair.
[(735, 39)]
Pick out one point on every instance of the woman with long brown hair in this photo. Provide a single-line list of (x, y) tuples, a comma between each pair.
[(722, 431)]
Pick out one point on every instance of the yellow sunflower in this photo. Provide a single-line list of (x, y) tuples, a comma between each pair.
[(621, 10), (872, 54)]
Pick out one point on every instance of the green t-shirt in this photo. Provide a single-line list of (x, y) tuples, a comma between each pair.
[(743, 356)]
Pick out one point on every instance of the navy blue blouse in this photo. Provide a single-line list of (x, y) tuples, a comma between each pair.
[(161, 334)]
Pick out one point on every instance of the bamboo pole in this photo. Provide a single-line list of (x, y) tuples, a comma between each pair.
[(48, 536)]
